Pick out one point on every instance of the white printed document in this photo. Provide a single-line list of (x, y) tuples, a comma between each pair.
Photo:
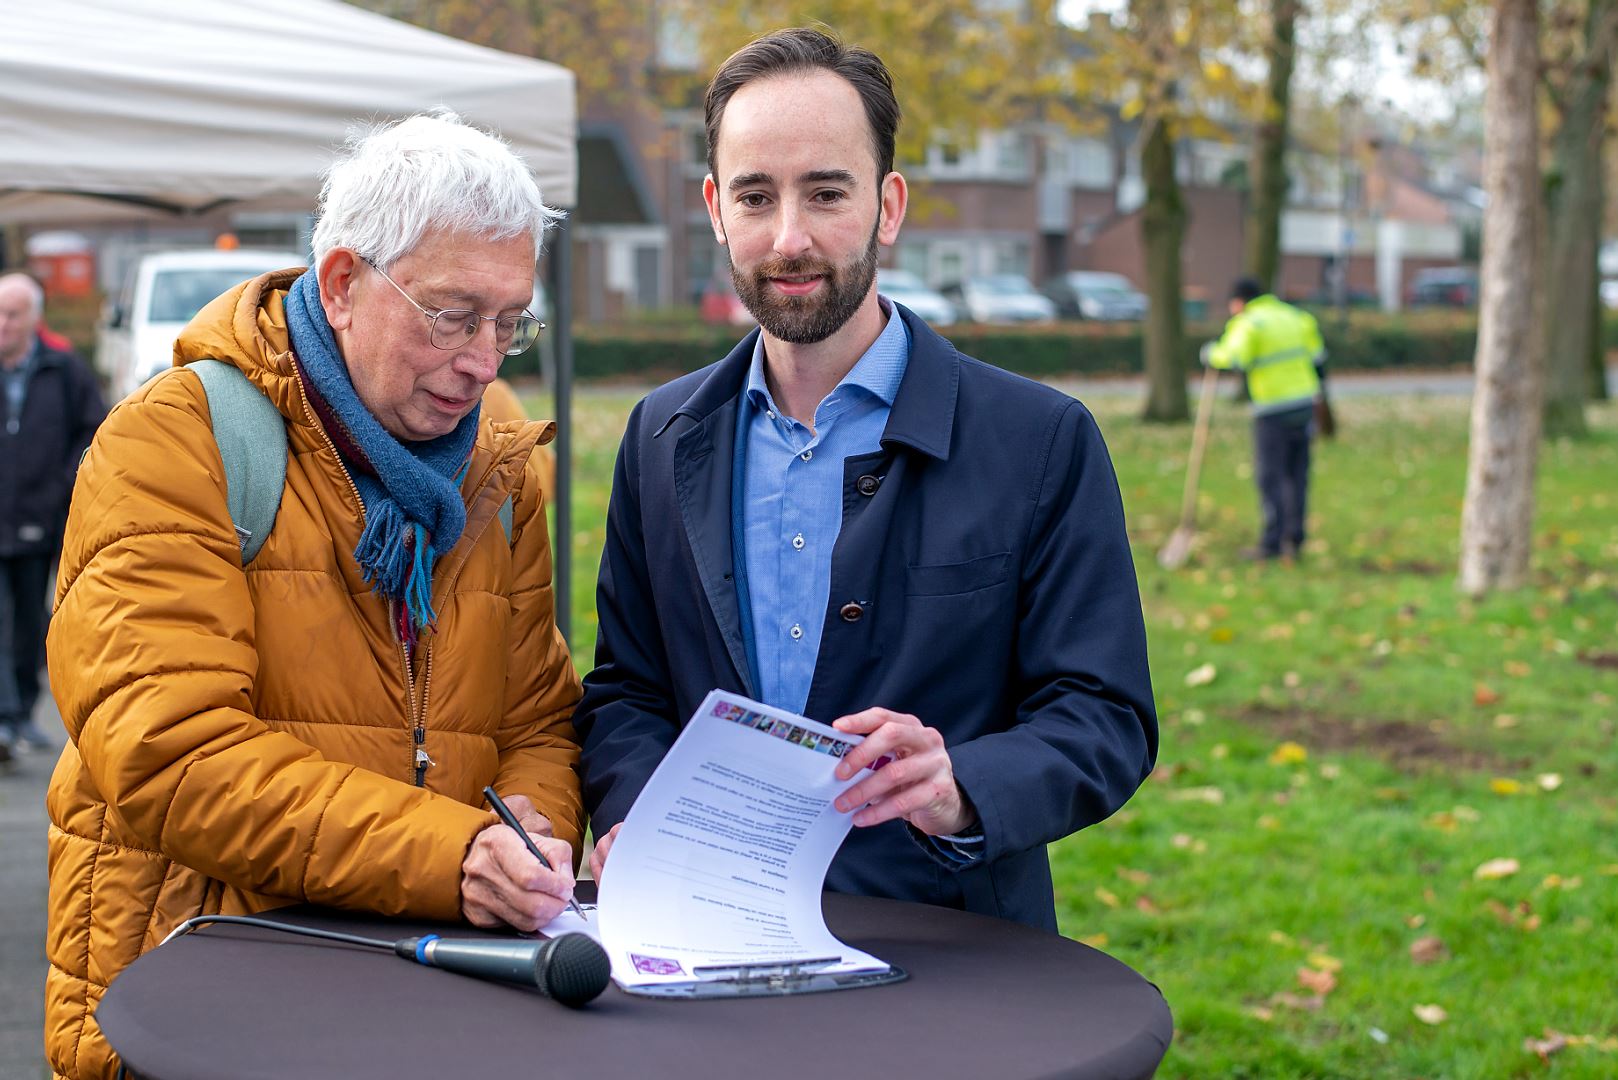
[(723, 856)]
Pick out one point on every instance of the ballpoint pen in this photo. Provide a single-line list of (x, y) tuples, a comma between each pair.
[(509, 818)]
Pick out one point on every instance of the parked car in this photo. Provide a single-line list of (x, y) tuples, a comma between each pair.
[(908, 289), (1446, 286), (721, 305), (1000, 298), (1085, 294), (162, 293)]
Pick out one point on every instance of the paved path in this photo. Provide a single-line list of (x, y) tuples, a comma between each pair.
[(1343, 384), (22, 905)]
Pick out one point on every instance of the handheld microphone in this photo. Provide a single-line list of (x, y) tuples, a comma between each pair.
[(571, 969)]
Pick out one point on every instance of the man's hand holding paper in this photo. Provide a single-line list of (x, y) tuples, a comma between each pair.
[(917, 783)]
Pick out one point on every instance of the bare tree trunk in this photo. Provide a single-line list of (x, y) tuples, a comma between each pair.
[(1162, 230), (1268, 168), (1573, 203), (1595, 371), (1498, 513)]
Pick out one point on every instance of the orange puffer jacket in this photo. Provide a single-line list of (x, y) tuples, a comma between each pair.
[(242, 740)]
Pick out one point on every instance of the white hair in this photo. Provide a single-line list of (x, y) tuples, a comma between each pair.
[(400, 181), (30, 288)]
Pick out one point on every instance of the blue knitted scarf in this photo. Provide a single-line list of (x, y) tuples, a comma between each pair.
[(411, 490)]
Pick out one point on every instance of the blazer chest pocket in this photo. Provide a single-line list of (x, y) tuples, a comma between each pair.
[(951, 579)]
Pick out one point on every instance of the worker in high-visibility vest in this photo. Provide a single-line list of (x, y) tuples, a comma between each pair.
[(1278, 346)]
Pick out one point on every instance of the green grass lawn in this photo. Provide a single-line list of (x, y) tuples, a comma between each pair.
[(1357, 741)]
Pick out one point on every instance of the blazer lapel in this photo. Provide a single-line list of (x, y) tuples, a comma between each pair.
[(702, 467)]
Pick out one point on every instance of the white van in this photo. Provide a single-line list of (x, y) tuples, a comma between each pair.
[(163, 292)]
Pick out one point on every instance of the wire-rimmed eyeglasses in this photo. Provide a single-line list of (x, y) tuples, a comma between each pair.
[(454, 328)]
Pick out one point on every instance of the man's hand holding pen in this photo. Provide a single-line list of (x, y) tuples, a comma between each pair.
[(502, 884)]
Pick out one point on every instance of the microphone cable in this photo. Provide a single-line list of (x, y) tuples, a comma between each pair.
[(271, 924)]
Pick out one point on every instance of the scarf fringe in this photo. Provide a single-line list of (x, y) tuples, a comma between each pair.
[(396, 557)]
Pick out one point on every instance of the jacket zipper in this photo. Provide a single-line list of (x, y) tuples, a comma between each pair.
[(418, 720), (419, 709)]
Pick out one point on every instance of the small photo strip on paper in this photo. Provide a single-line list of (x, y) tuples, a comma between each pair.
[(781, 729)]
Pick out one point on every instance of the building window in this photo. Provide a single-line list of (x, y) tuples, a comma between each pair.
[(1010, 154)]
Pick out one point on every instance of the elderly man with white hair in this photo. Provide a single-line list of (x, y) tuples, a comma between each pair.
[(49, 408), (318, 726)]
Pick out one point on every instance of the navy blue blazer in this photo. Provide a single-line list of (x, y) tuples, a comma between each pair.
[(984, 553)]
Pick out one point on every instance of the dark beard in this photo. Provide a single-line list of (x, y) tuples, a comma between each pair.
[(807, 320)]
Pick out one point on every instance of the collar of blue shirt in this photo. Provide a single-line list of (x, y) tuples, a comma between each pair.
[(878, 371)]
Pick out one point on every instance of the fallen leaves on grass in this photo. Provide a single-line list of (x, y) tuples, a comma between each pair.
[(1495, 869), (1185, 842), (1317, 982), (1325, 962), (1548, 781), (1095, 941), (1201, 676), (1484, 695), (1519, 916), (1134, 877), (1504, 785), (1289, 753), (1428, 950), (1106, 897), (1430, 1014), (1517, 669), (1211, 795), (1450, 820), (1557, 881), (1544, 1048)]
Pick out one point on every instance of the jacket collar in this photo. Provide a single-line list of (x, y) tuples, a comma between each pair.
[(923, 415)]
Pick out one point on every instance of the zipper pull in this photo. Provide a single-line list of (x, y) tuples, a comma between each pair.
[(423, 761)]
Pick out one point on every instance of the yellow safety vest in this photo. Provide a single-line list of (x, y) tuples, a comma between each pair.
[(1278, 346)]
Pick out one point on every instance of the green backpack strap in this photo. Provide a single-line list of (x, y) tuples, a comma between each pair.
[(252, 440), (504, 514)]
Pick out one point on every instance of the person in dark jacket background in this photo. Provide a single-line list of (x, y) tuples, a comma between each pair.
[(50, 405), (848, 519)]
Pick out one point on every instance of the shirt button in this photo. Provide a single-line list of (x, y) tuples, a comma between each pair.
[(796, 631), (807, 454), (797, 542), (867, 485), (770, 413), (851, 612)]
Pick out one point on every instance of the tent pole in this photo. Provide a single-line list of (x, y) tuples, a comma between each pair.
[(561, 289)]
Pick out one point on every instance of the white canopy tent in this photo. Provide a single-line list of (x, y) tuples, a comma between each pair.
[(115, 110), (184, 105)]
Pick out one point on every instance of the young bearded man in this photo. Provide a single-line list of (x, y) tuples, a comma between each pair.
[(847, 518)]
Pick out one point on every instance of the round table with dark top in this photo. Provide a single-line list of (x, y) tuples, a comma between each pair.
[(985, 998)]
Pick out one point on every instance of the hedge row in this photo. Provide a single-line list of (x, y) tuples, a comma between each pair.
[(658, 350), (1364, 343)]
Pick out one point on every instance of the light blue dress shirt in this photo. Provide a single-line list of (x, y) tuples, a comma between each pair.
[(793, 506)]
